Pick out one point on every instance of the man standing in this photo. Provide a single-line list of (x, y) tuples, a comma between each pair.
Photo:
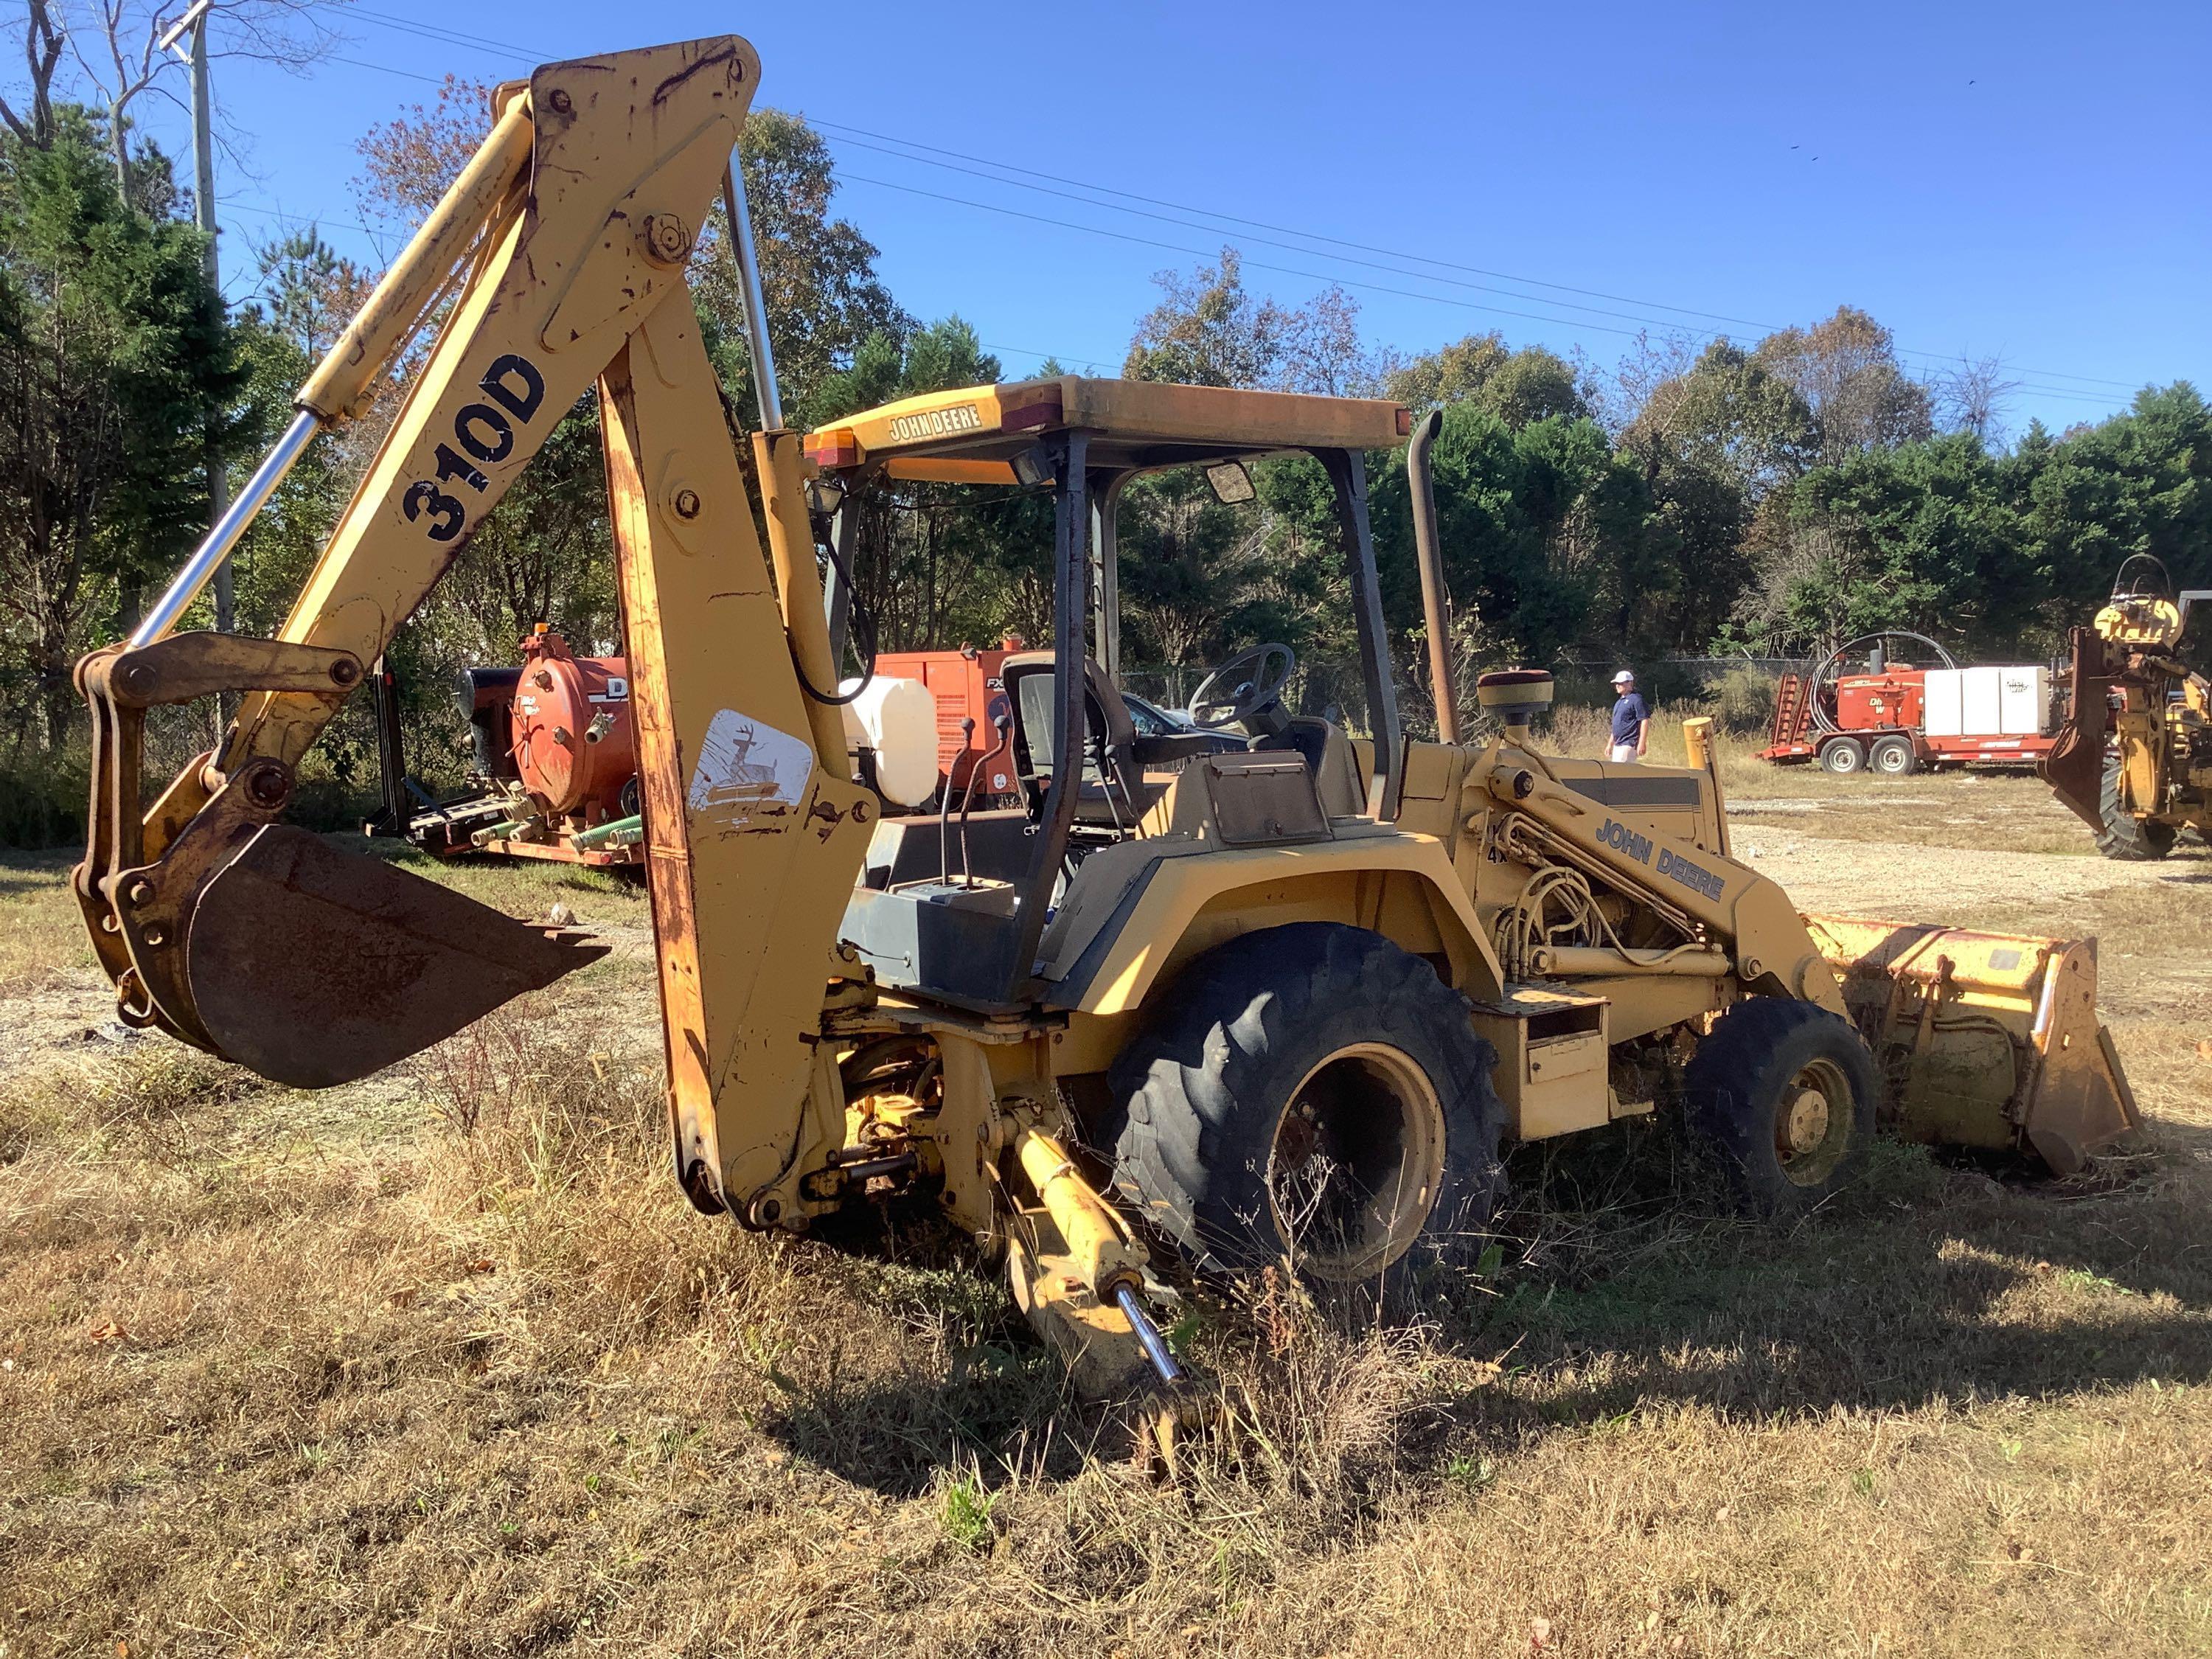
[(1632, 719)]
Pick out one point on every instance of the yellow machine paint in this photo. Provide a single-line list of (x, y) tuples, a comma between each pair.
[(844, 1016), (2133, 758), (1989, 1039)]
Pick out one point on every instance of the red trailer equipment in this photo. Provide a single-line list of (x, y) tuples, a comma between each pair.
[(1864, 709), (555, 771), (555, 765)]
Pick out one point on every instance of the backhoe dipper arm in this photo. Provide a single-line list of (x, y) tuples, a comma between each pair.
[(266, 945)]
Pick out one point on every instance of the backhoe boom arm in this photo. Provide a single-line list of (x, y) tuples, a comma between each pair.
[(562, 245)]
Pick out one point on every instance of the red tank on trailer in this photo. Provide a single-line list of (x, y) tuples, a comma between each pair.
[(1894, 699), (556, 759), (574, 749), (1894, 717)]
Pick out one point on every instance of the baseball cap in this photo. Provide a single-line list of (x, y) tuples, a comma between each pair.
[(1624, 677)]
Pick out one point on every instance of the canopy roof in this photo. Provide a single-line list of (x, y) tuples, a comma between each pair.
[(972, 435)]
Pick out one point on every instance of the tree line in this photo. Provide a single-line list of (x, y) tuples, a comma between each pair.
[(1769, 497)]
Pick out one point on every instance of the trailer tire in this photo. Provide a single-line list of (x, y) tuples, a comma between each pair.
[(1893, 757), (1842, 757), (1780, 1098), (1293, 1043), (2125, 837)]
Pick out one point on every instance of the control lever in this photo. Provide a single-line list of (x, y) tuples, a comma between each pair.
[(945, 810), (1004, 723)]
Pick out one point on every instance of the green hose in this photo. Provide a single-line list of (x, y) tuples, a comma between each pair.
[(622, 832)]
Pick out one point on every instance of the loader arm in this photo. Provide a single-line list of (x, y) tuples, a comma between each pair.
[(1744, 914), (563, 244)]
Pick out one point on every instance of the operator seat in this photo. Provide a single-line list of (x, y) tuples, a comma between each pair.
[(1113, 793)]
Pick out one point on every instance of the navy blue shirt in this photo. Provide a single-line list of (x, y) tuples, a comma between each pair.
[(1631, 712)]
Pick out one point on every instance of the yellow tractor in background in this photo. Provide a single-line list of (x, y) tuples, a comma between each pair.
[(2133, 758), (1281, 1001)]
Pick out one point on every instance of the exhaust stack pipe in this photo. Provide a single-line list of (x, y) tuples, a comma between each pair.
[(1430, 556)]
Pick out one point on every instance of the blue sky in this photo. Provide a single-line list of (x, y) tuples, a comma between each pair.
[(2025, 180)]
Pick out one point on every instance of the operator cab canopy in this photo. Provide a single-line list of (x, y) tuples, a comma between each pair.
[(1082, 441), (978, 435)]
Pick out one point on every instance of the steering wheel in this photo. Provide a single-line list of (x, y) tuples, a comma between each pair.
[(1252, 682)]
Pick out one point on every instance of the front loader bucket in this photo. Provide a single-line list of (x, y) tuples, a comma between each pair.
[(315, 967), (1987, 1040)]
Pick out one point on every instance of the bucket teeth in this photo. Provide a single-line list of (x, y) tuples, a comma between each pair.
[(1986, 1039)]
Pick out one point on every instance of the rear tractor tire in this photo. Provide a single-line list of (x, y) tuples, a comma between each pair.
[(1842, 757), (2126, 837), (1311, 1094), (1780, 1095), (1893, 757)]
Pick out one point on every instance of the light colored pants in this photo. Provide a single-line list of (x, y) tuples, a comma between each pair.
[(1625, 754)]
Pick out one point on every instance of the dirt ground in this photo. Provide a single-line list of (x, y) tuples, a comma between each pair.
[(440, 1365)]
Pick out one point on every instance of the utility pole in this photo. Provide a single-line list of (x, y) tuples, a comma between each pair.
[(195, 20)]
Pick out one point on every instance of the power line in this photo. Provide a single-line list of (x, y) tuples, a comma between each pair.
[(386, 69), (1318, 236), (285, 216), (510, 49), (439, 31), (1097, 230), (1288, 270), (1264, 241), (1201, 254), (2074, 393)]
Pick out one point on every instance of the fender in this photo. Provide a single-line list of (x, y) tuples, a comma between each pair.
[(1138, 911)]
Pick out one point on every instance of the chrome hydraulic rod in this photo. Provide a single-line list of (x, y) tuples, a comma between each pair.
[(1148, 1334), (162, 621), (741, 248), (404, 296)]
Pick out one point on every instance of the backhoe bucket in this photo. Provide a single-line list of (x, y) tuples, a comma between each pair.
[(1987, 1040), (315, 967)]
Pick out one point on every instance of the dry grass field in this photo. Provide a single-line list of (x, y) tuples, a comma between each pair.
[(441, 1363)]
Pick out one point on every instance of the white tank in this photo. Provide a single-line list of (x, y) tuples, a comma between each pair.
[(897, 720)]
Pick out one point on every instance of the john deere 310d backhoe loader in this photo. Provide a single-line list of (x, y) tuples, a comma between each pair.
[(2133, 758), (1286, 1002)]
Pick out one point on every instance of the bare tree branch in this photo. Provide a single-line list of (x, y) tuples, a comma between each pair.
[(42, 52), (116, 45), (1972, 397)]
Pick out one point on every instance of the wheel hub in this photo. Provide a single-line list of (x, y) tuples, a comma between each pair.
[(1807, 1123), (1357, 1163), (1813, 1123)]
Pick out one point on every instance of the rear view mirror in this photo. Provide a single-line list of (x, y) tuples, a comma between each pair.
[(1232, 484)]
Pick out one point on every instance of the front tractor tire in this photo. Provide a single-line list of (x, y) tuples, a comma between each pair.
[(2126, 837), (1315, 1095), (1780, 1098)]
